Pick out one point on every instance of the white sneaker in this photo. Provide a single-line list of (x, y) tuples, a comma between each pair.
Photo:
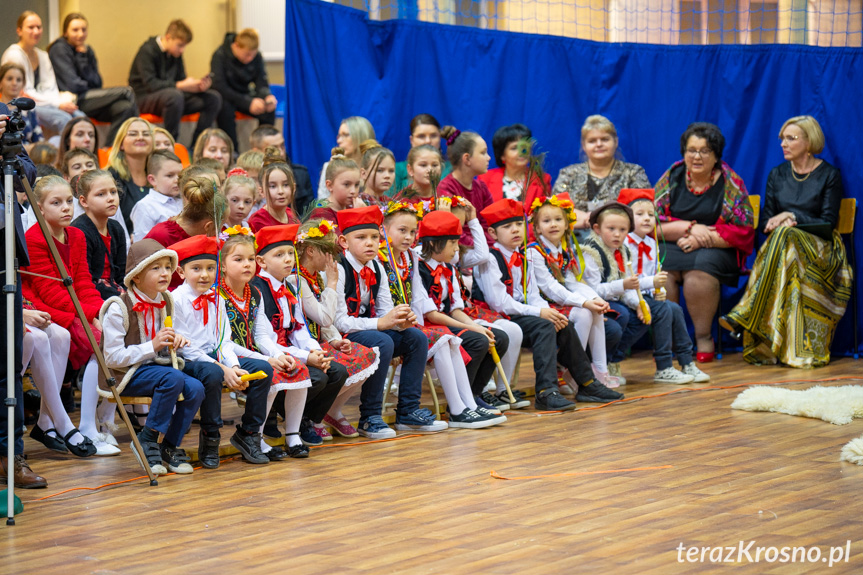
[(614, 371), (698, 375), (671, 375), (104, 449)]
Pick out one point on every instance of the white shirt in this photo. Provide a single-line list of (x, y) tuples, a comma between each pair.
[(384, 303), (609, 291), (153, 209), (422, 303), (323, 192), (203, 338), (46, 93), (571, 292), (648, 266), (477, 256), (321, 312), (301, 341), (117, 354), (490, 281)]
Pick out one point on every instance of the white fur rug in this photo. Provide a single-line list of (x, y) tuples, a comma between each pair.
[(838, 405)]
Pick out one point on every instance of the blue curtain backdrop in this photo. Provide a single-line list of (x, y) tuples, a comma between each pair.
[(338, 63)]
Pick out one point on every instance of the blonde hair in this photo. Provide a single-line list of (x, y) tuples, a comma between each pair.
[(339, 163), (46, 184), (84, 182), (232, 242), (327, 244), (202, 202), (811, 130), (240, 182), (360, 129), (251, 160), (600, 123), (205, 136), (117, 157), (164, 132), (247, 38)]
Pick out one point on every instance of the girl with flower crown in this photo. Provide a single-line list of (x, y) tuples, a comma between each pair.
[(317, 248), (559, 265)]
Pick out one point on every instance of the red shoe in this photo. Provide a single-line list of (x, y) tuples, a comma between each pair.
[(704, 356), (341, 427)]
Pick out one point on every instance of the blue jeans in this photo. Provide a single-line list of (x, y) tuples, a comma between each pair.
[(680, 340), (412, 346), (165, 384), (634, 329), (53, 118)]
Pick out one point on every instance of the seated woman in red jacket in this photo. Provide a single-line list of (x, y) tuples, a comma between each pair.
[(54, 197), (508, 178)]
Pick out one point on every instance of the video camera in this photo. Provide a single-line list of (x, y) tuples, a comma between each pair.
[(12, 142)]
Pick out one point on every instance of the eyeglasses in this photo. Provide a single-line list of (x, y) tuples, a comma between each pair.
[(700, 153), (790, 139), (136, 134)]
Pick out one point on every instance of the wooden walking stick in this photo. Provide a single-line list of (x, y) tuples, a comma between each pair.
[(493, 351)]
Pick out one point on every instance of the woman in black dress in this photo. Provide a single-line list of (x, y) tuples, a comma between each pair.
[(706, 227), (801, 281)]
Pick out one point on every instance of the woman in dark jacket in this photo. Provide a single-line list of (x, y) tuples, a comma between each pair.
[(77, 71)]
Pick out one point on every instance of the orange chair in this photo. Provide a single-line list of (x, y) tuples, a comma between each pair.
[(183, 154), (154, 119), (103, 156)]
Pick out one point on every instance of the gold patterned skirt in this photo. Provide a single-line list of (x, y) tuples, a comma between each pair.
[(797, 293)]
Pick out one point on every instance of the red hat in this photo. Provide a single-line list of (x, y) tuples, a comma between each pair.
[(196, 248), (440, 225), (271, 237), (503, 212), (353, 219), (629, 196)]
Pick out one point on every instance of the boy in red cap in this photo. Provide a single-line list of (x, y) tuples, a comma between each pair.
[(606, 262), (366, 315), (508, 285), (200, 315), (275, 257), (645, 257)]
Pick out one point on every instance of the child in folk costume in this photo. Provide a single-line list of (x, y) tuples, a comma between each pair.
[(136, 344), (559, 265), (282, 306), (317, 247), (605, 270), (644, 253), (437, 303), (367, 314), (253, 333), (474, 257), (508, 284), (201, 317)]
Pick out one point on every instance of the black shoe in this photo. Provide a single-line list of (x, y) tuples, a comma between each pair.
[(308, 435), (296, 451), (152, 454), (249, 445), (83, 449), (208, 451), (732, 326), (496, 402), (176, 458), (276, 454), (596, 393), (52, 442), (552, 400)]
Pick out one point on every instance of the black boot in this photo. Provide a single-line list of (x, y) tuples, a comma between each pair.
[(208, 450)]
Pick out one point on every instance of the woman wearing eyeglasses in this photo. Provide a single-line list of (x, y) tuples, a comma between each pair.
[(801, 280), (706, 227)]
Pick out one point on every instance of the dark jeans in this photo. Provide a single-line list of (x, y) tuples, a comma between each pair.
[(680, 340), (115, 105), (539, 335), (211, 377), (481, 366), (227, 121), (634, 329), (19, 393), (165, 384), (412, 346), (325, 387), (172, 104)]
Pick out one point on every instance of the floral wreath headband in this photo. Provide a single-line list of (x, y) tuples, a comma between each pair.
[(418, 209), (237, 230), (565, 204), (318, 231)]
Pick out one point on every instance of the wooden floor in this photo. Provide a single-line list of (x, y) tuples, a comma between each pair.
[(430, 505)]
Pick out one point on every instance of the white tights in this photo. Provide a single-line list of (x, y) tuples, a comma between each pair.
[(90, 400), (452, 375), (295, 403), (590, 328), (46, 351)]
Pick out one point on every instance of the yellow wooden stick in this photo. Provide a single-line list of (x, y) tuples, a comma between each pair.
[(645, 309), (170, 323), (253, 376), (493, 351)]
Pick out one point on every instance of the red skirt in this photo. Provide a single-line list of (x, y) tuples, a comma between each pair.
[(361, 362), (80, 350), (298, 379), (479, 311), (564, 309)]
